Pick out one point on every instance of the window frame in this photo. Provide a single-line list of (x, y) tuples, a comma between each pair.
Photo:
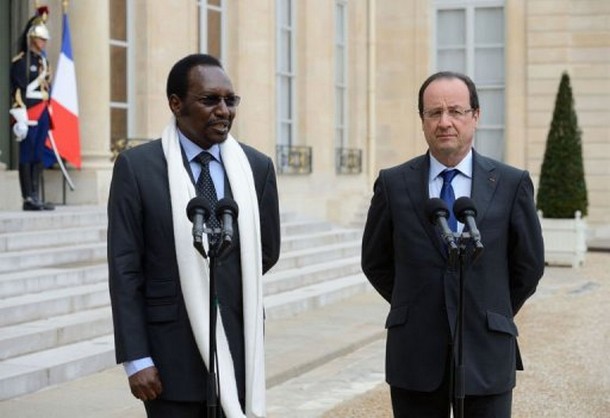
[(204, 6), (470, 48), (283, 75), (341, 88)]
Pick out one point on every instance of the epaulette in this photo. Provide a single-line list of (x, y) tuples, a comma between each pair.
[(18, 56)]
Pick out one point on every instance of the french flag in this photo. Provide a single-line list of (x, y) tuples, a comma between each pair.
[(64, 102)]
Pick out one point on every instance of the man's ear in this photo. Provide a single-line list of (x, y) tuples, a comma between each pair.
[(175, 104), (477, 117)]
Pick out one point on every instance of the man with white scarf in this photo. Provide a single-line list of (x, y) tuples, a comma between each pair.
[(159, 283)]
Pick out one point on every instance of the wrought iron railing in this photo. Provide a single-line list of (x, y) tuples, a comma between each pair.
[(293, 159), (121, 144), (348, 161)]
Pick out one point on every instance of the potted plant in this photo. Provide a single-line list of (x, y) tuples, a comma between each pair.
[(562, 192)]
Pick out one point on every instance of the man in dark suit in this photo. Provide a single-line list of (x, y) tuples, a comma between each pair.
[(159, 282), (405, 259)]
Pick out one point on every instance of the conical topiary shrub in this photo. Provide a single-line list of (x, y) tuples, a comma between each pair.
[(562, 190)]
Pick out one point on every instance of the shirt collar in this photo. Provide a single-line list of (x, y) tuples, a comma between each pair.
[(464, 167), (191, 150)]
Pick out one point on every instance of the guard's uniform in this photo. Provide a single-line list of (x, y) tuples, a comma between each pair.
[(30, 81), (30, 85)]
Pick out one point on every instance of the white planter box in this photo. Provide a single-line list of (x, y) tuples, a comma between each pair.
[(564, 240)]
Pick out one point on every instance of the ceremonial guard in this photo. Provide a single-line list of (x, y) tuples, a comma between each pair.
[(30, 94)]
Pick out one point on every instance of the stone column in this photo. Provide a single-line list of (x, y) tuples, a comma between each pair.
[(89, 24), (90, 34)]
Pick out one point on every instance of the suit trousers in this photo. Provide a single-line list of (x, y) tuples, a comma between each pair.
[(436, 404), (160, 408)]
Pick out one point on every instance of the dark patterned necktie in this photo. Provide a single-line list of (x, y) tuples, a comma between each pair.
[(448, 195), (205, 187)]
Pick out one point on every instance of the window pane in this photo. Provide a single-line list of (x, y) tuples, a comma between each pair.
[(285, 135), (214, 3), (340, 138), (452, 60), (214, 33), (489, 65), (490, 142), (118, 74), (118, 20), (340, 65), (284, 51), (489, 25), (284, 12), (339, 106), (285, 98), (451, 27), (118, 123), (491, 102), (339, 24)]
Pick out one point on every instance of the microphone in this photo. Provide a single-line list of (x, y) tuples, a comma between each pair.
[(465, 212), (198, 211), (226, 213), (437, 212)]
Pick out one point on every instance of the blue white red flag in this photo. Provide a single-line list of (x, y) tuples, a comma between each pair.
[(64, 102)]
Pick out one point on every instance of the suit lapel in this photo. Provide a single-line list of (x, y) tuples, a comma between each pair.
[(416, 176), (485, 179)]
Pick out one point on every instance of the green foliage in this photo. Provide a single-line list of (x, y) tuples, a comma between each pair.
[(562, 189)]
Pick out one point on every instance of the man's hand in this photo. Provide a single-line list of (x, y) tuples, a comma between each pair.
[(146, 384)]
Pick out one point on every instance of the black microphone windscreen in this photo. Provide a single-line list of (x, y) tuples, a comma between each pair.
[(463, 205), (196, 204), (227, 204), (435, 207)]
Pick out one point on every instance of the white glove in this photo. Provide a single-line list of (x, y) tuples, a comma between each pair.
[(20, 129)]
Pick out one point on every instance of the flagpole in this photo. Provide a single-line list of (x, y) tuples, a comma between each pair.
[(60, 162)]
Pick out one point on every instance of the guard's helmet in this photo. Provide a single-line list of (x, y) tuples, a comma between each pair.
[(38, 28)]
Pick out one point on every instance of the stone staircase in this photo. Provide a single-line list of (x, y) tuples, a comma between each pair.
[(55, 320)]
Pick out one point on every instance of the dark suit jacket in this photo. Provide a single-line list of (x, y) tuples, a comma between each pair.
[(405, 260), (149, 315)]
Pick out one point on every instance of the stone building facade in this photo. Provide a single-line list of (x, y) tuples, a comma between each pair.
[(329, 87)]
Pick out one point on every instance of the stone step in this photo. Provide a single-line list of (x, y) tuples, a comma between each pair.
[(332, 236), (17, 283), (45, 257), (15, 242), (19, 241), (13, 283), (305, 257), (310, 297), (32, 372), (35, 306), (334, 351), (303, 226), (288, 292), (51, 332), (55, 319), (285, 280), (62, 217)]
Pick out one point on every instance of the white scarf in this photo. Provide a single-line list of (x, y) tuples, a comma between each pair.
[(194, 272)]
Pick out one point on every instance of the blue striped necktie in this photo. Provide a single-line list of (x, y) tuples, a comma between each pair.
[(448, 195)]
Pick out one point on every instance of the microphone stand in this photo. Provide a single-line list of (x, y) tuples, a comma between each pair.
[(466, 255), (459, 375), (213, 253)]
